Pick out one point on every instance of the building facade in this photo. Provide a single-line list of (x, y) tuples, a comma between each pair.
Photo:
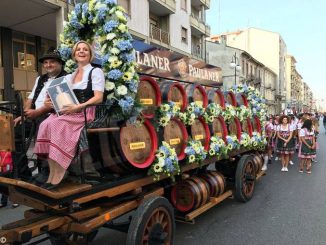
[(251, 72), (178, 25), (29, 28), (267, 47)]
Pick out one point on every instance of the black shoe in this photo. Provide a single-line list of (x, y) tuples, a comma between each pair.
[(269, 161), (49, 186), (42, 177)]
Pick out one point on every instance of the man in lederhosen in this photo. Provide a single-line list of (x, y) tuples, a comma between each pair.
[(34, 109)]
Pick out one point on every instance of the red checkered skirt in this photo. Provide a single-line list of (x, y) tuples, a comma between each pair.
[(58, 136)]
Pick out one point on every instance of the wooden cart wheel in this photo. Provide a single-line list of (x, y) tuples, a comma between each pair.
[(72, 238), (153, 223), (245, 177)]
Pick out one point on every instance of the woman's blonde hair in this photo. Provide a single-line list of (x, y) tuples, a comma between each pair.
[(74, 49)]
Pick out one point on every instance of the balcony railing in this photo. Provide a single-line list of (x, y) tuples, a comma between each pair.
[(199, 25), (169, 4), (159, 35)]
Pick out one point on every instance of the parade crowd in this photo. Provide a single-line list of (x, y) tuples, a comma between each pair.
[(290, 134)]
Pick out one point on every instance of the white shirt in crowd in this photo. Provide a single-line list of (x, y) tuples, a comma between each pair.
[(286, 128), (303, 131), (39, 102)]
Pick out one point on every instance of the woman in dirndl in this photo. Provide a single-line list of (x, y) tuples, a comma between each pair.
[(307, 149), (284, 146), (59, 135)]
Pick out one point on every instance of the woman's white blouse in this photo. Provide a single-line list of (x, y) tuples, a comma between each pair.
[(98, 79)]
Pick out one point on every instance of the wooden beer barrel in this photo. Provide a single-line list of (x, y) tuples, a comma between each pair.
[(246, 126), (242, 100), (216, 96), (149, 95), (219, 128), (199, 130), (234, 128), (258, 161), (174, 91), (230, 98), (190, 194), (139, 143), (216, 183), (176, 135), (196, 93), (256, 126)]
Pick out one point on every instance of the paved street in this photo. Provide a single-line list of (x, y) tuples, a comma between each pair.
[(287, 208)]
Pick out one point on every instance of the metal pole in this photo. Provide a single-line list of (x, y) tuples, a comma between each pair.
[(235, 68)]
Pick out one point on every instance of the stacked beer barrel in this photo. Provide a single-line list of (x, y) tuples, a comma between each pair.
[(196, 191), (135, 145)]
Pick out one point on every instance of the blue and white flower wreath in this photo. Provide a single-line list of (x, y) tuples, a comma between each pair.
[(104, 23)]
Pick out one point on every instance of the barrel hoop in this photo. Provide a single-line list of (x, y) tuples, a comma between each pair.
[(192, 88), (238, 125), (153, 146), (257, 123), (248, 122), (230, 95), (157, 94)]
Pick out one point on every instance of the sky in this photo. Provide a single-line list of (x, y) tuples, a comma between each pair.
[(301, 23)]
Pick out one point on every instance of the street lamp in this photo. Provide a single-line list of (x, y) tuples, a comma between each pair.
[(235, 64)]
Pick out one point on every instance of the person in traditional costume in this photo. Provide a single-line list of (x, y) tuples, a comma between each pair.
[(284, 146), (58, 135), (269, 130), (307, 149)]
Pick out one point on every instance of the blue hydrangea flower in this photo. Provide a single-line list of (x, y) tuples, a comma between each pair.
[(190, 151), (216, 148), (132, 85), (74, 22), (124, 45), (110, 1), (65, 52), (101, 14), (110, 25), (84, 9), (115, 74), (126, 104), (78, 8), (127, 57)]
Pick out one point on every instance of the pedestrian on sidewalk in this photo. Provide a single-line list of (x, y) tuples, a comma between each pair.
[(315, 128), (307, 149), (284, 146)]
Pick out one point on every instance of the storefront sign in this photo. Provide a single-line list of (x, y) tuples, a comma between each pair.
[(168, 64)]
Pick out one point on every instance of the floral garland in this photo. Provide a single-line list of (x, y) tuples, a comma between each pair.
[(258, 141), (166, 162), (104, 24), (257, 103), (229, 113), (192, 112), (195, 152), (243, 112), (217, 147), (212, 111), (165, 112), (232, 142), (245, 140)]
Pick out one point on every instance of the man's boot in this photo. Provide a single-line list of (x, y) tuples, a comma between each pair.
[(44, 172), (89, 169)]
